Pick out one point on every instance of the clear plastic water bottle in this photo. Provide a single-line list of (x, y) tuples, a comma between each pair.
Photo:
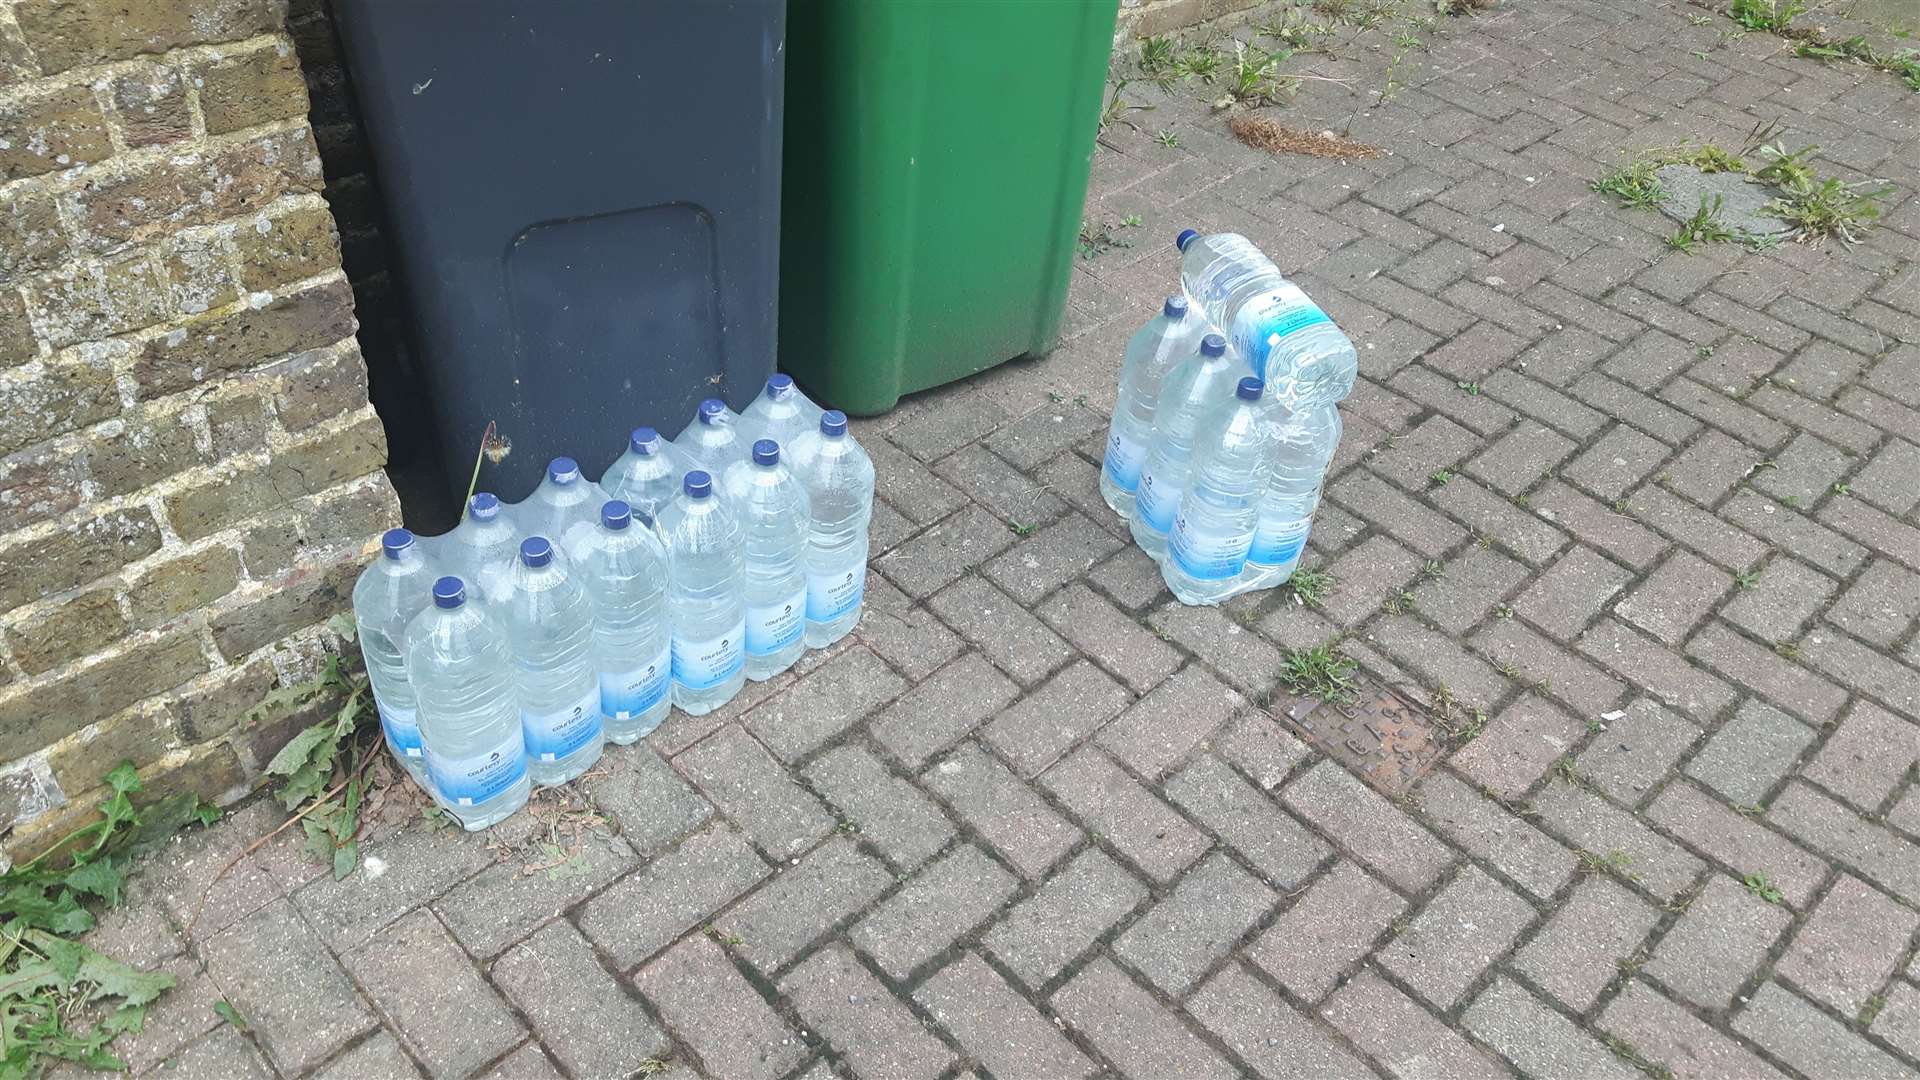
[(647, 476), (1303, 445), (626, 579), (772, 507), (386, 598), (781, 413), (1168, 338), (711, 441), (462, 674), (550, 630), (1192, 393), (705, 607), (838, 476), (1214, 529), (565, 508), (1282, 335), (480, 550)]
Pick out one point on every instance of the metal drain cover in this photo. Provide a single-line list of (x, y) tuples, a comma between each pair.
[(1384, 737)]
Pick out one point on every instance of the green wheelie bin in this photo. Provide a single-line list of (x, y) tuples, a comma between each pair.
[(933, 173)]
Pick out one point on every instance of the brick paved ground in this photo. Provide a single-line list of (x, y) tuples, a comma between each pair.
[(1029, 821)]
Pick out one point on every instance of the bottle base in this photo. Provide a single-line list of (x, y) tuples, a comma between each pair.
[(702, 702), (630, 731), (762, 668), (1118, 501), (1154, 544), (489, 814), (821, 635), (554, 773)]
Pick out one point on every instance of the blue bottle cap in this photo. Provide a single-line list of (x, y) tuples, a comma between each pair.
[(766, 452), (615, 514), (1250, 389), (780, 387), (1213, 345), (449, 592), (395, 542), (536, 551), (697, 485), (1175, 307), (711, 409), (644, 441), (833, 423), (1186, 237), (563, 470), (484, 506)]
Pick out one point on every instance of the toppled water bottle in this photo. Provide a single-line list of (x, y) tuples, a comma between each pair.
[(386, 598), (565, 508), (1303, 445), (626, 580), (647, 476), (772, 508), (838, 476), (481, 549), (781, 413), (1282, 335), (705, 608), (462, 675), (1195, 389), (550, 630), (711, 440), (1219, 511), (1154, 350)]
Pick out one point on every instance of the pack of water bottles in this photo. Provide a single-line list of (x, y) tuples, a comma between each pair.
[(1225, 422), (505, 653)]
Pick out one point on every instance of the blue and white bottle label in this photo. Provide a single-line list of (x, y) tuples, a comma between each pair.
[(401, 727), (552, 736), (1267, 319), (773, 627), (1277, 543), (1208, 557), (625, 695), (703, 665), (833, 596), (1154, 504), (473, 780), (1125, 456)]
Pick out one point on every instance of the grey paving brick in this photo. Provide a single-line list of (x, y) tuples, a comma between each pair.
[(1809, 1040), (943, 709), (179, 1017), (577, 1008), (996, 1025), (420, 866), (1406, 520), (1534, 860), (910, 638), (1598, 525), (1280, 849), (1332, 925), (1617, 463), (644, 912), (1464, 928), (1867, 755), (1406, 1039), (501, 904), (1130, 577), (1634, 753), (272, 967), (1899, 1021), (531, 1063), (1786, 684), (717, 1014), (1520, 457), (649, 802), (1566, 675), (1257, 745), (1051, 557), (1242, 657), (1110, 637), (1653, 670), (823, 703), (1518, 746), (1268, 1033), (877, 1036), (1160, 729), (936, 906), (1738, 840), (1180, 938), (909, 486), (1579, 951), (935, 558), (960, 418), (225, 1054), (379, 1056), (1720, 941), (1865, 670), (1829, 827), (1470, 586), (1439, 660), (1358, 819), (1043, 933), (1671, 602), (1000, 487), (441, 1008), (1845, 951), (734, 771), (1433, 444), (1117, 808), (1670, 1035), (1786, 530), (1131, 1029), (1538, 1040), (1046, 431), (835, 880), (1880, 604), (1573, 589), (1005, 812), (1803, 471), (883, 809), (1779, 604), (1036, 730)]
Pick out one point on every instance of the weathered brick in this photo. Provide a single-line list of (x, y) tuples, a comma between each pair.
[(298, 1002), (239, 91), (833, 881), (876, 1035), (1810, 1040), (1573, 589), (996, 1025), (578, 1010), (39, 713), (56, 397), (940, 903), (240, 340), (319, 385), (1594, 825), (1131, 1029), (1718, 943), (497, 907), (66, 34), (1035, 731), (1538, 1040), (301, 600), (645, 911), (1518, 746), (1668, 1034), (1268, 1033), (150, 103), (1634, 752), (1002, 488), (1006, 813), (1119, 809), (443, 1010), (347, 914), (171, 589), (51, 128), (88, 301), (1404, 1037), (1849, 946), (1578, 952), (718, 1012), (74, 628), (196, 187), (738, 775), (1465, 927), (886, 811)]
